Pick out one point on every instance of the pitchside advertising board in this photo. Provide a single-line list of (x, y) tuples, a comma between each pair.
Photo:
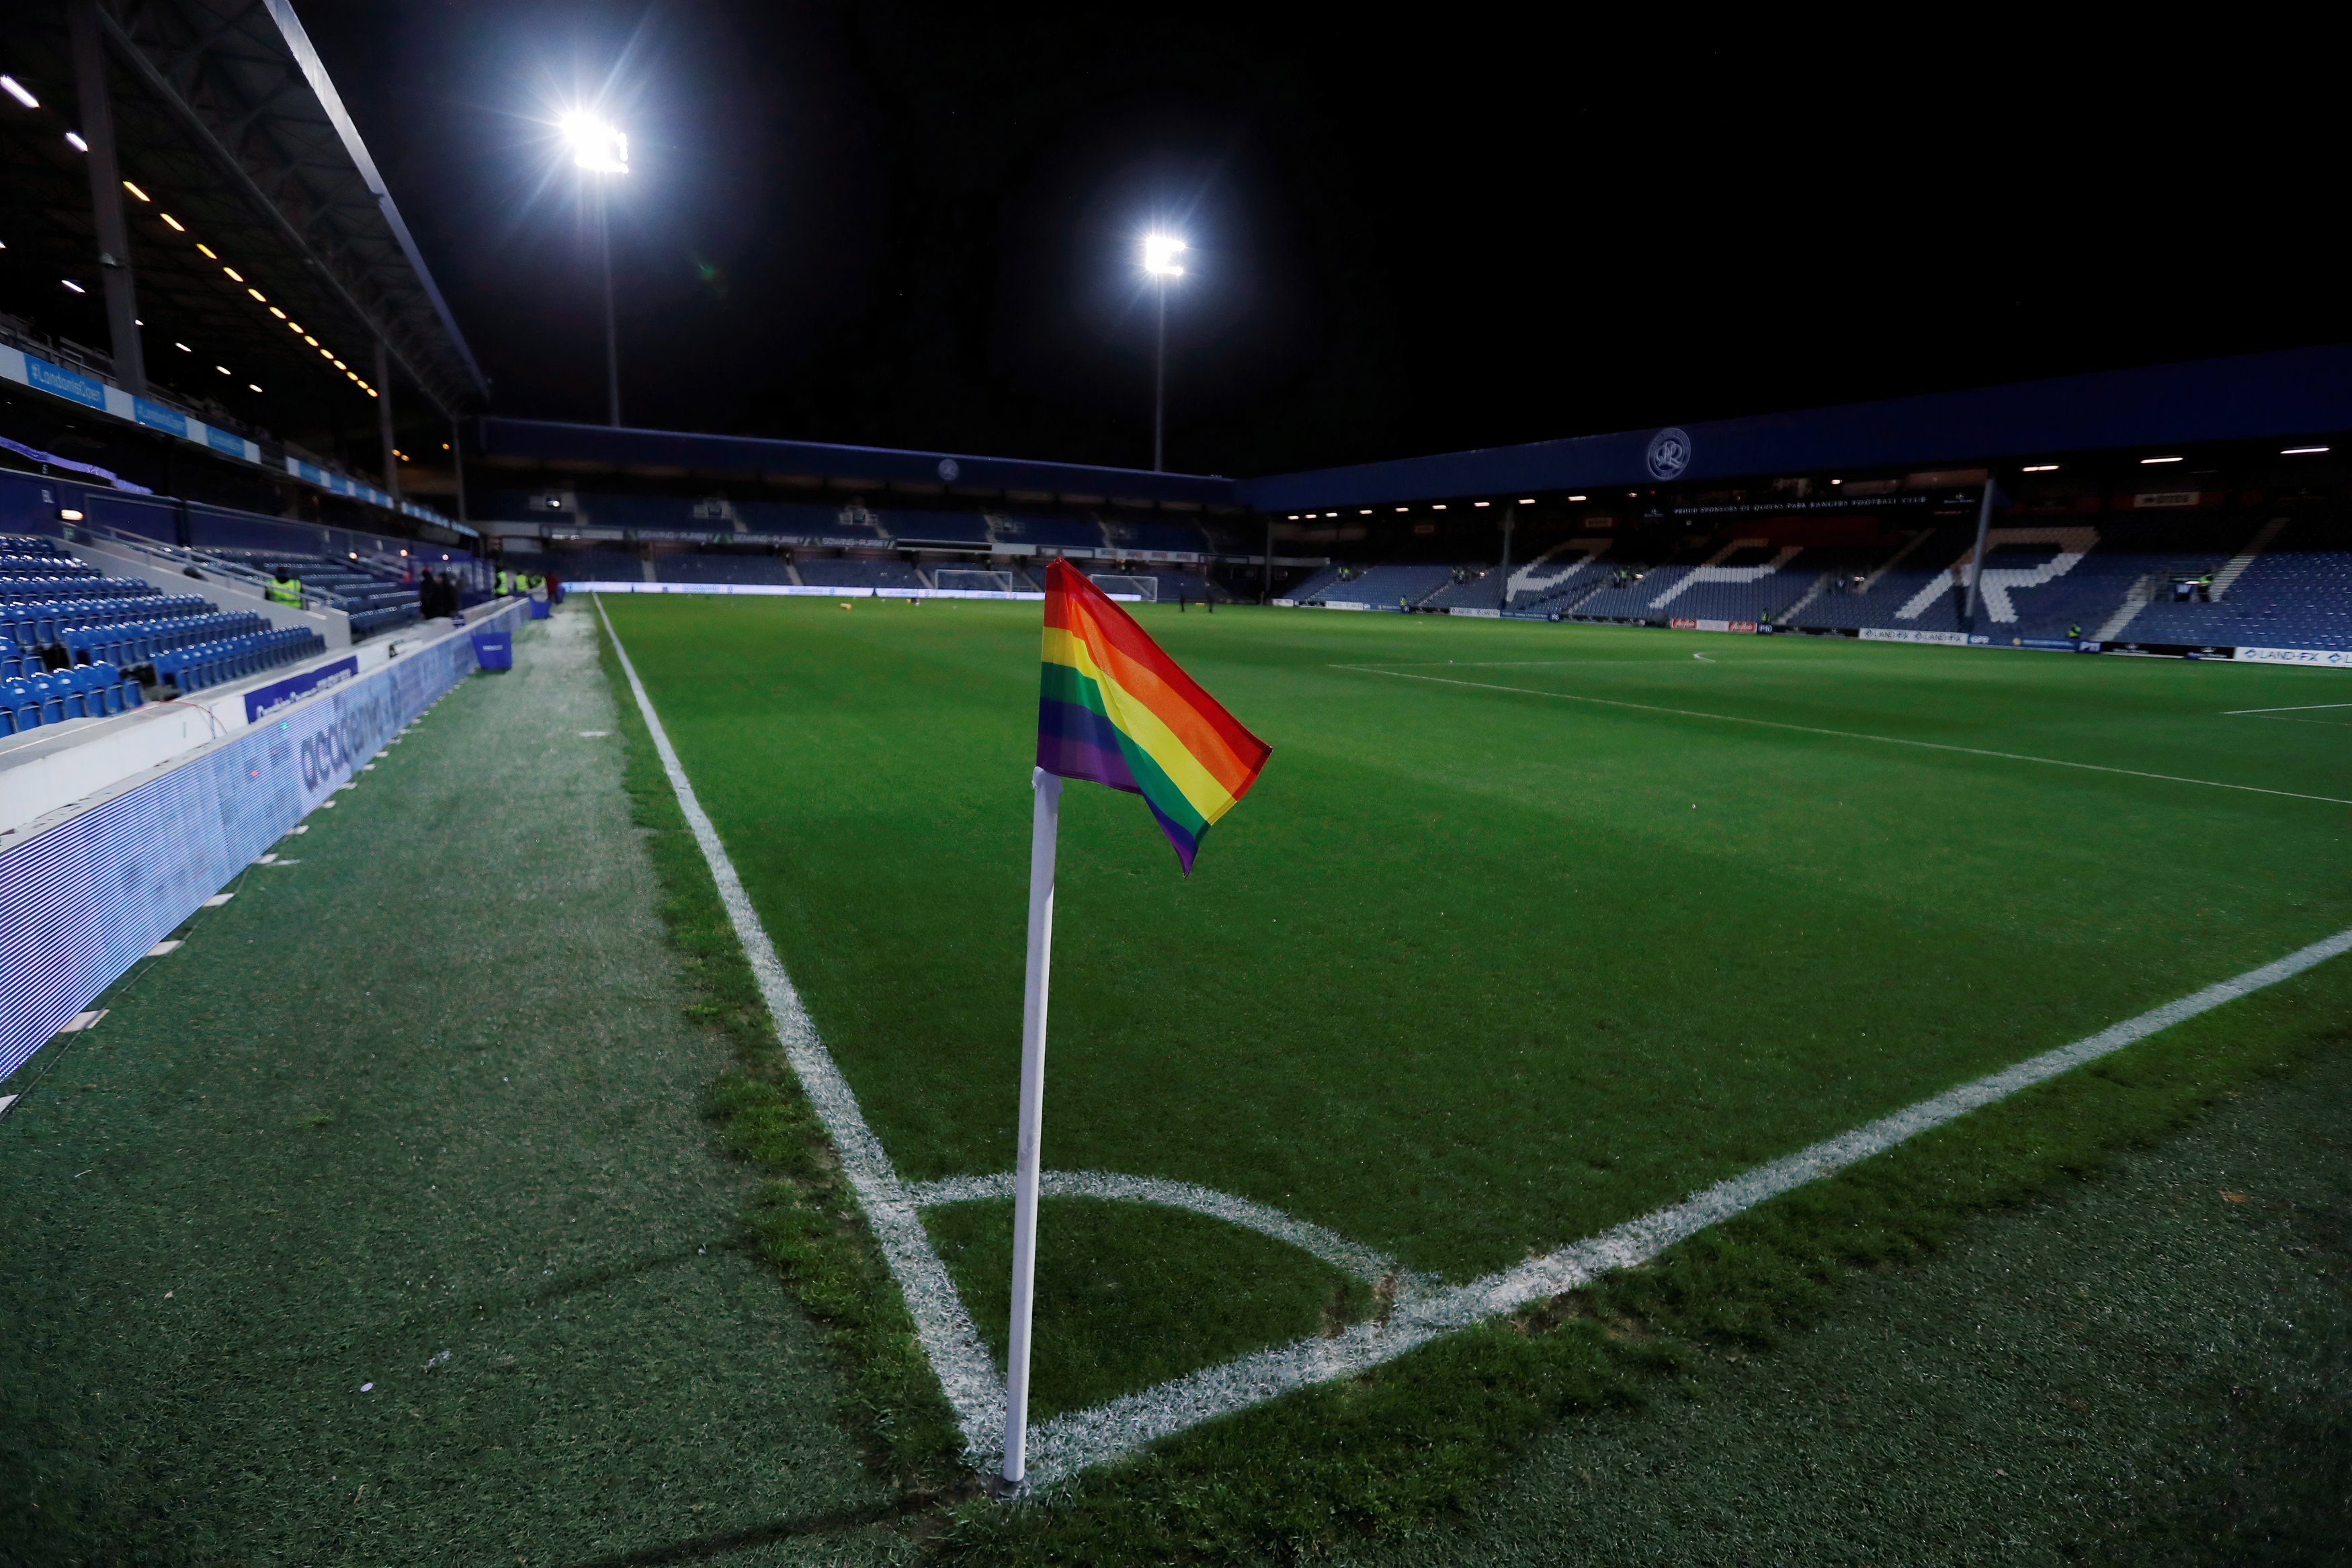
[(1701, 624), (263, 701), (2322, 658), (81, 902)]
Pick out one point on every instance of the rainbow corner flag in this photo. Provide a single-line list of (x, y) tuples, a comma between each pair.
[(1113, 709)]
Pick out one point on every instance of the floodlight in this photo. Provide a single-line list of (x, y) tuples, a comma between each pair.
[(2299, 451), (599, 148), (69, 283), (15, 90), (1160, 252), (74, 140), (2145, 461)]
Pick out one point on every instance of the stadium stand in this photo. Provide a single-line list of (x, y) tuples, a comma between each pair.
[(377, 598), (1048, 533), (2298, 596), (73, 641), (852, 572), (1472, 588), (742, 569), (1560, 579), (578, 566), (555, 508), (952, 528), (1190, 586), (1380, 586), (1899, 579)]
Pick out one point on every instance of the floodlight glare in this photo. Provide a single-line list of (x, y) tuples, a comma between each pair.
[(599, 148), (1160, 253), (16, 90)]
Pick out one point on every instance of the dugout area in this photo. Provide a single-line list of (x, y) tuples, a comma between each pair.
[(431, 1083)]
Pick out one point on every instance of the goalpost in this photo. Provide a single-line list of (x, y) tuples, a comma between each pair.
[(973, 578), (1144, 587)]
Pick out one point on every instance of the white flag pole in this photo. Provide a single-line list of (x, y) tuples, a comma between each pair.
[(1044, 830)]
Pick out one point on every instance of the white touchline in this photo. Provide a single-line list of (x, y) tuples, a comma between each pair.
[(1425, 1308), (1840, 734), (2304, 707), (966, 1375)]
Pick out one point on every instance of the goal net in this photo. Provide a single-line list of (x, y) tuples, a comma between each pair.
[(1144, 587), (973, 577)]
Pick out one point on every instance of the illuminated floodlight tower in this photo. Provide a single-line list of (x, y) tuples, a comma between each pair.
[(1162, 263), (602, 151)]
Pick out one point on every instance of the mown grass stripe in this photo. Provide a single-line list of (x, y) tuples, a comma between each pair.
[(1840, 734)]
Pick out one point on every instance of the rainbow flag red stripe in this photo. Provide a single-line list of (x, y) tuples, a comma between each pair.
[(1113, 709)]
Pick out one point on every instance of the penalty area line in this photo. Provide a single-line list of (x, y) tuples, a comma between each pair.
[(1841, 734)]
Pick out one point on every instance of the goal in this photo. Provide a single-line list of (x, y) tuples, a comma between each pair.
[(973, 578), (1144, 587)]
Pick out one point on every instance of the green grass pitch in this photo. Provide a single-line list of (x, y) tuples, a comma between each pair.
[(1525, 929)]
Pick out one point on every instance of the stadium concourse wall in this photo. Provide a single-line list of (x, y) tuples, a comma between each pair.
[(85, 897)]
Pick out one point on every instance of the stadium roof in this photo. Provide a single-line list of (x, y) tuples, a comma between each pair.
[(226, 121), (2255, 397), (669, 454)]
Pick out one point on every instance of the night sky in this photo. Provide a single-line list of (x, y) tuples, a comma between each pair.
[(915, 225)]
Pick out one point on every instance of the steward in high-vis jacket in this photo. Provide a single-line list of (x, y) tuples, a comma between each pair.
[(505, 583), (286, 589)]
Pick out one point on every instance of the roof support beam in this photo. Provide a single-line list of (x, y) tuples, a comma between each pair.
[(165, 93), (106, 199), (384, 420)]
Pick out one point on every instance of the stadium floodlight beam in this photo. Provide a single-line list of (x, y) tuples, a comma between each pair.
[(599, 148), (602, 149), (1162, 264)]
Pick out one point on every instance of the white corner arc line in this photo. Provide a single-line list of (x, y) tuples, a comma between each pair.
[(1841, 734), (1082, 1438), (1369, 1264), (966, 1373)]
